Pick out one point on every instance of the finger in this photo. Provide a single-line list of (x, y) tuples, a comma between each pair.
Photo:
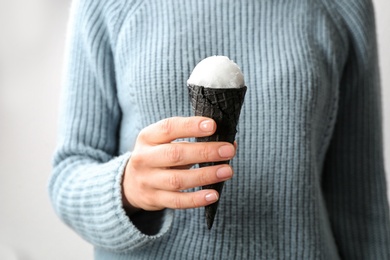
[(187, 200), (170, 129), (177, 180), (178, 154)]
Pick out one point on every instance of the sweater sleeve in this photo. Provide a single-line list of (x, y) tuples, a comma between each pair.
[(354, 182), (85, 185)]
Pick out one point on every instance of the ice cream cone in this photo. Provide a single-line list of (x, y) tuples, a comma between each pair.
[(224, 106)]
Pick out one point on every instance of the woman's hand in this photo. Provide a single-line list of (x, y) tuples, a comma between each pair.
[(159, 169)]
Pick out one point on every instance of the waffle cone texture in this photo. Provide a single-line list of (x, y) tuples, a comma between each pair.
[(223, 105)]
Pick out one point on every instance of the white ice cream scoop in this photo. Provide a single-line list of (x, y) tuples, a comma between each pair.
[(217, 72)]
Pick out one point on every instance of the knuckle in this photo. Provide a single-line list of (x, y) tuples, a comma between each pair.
[(166, 126), (149, 201), (175, 182), (177, 202), (142, 135), (139, 183), (142, 183), (136, 159), (204, 153), (174, 154)]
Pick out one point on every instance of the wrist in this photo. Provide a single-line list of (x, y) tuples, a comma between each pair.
[(127, 206)]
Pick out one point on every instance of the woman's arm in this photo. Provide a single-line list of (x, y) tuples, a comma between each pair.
[(354, 181), (85, 186)]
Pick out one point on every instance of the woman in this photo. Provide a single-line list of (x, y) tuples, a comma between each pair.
[(309, 181)]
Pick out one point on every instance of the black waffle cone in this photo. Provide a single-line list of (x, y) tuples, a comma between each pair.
[(223, 105)]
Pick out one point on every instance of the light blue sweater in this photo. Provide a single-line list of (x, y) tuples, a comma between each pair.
[(309, 176)]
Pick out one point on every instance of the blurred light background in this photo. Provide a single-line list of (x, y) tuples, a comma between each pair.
[(32, 40)]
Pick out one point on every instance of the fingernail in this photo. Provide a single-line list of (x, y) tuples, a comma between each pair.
[(224, 172), (210, 197), (226, 151), (207, 126)]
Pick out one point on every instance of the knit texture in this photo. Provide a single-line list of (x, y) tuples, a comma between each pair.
[(309, 175)]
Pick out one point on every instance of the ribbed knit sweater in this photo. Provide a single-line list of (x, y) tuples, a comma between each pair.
[(309, 177)]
